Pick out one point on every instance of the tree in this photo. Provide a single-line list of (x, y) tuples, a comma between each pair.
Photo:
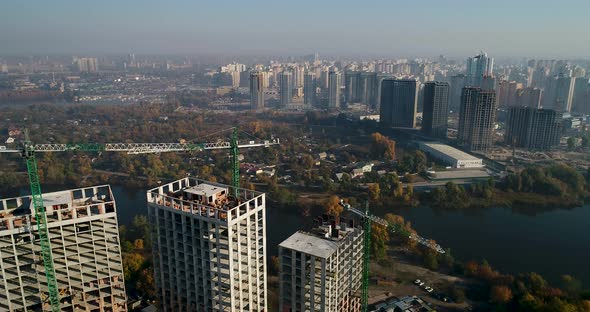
[(571, 143), (131, 264), (332, 206), (274, 264), (570, 285), (586, 141), (500, 294), (379, 239), (145, 283), (374, 192), (138, 244), (382, 147), (430, 260)]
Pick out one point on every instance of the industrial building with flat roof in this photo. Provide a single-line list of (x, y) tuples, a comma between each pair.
[(208, 246), (450, 155), (84, 234), (321, 270)]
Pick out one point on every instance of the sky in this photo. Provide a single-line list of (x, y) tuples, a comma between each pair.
[(505, 28)]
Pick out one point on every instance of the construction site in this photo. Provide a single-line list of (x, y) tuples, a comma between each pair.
[(209, 246), (83, 230)]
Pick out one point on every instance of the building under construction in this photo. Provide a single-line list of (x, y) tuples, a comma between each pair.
[(84, 236), (321, 270), (209, 246)]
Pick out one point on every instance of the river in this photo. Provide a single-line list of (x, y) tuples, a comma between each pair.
[(551, 243)]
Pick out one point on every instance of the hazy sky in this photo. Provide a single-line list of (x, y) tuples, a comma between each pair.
[(536, 28)]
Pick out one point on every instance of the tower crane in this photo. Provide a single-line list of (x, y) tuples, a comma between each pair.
[(392, 227), (28, 150)]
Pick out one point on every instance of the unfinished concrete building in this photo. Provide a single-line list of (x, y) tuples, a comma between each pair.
[(321, 270), (209, 246), (83, 230)]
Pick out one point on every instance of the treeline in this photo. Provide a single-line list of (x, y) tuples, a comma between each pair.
[(556, 180)]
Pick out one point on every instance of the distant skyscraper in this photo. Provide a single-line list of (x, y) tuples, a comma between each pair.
[(298, 77), (256, 90), (476, 119), (309, 89), (321, 269), (399, 102), (351, 85), (581, 99), (532, 128), (87, 64), (368, 89), (335, 81), (458, 82), (478, 67), (285, 88), (559, 94), (529, 97), (507, 93), (436, 109)]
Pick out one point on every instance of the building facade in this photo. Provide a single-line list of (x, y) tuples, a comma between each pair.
[(256, 90), (476, 119), (399, 102), (285, 80), (436, 109), (334, 84), (532, 128), (310, 89), (321, 270), (85, 247), (208, 246), (560, 93), (479, 67)]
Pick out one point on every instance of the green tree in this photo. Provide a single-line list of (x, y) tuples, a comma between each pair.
[(379, 240), (131, 264), (571, 143), (430, 260), (374, 191), (145, 283)]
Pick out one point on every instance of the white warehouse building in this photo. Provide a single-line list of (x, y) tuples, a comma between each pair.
[(450, 155)]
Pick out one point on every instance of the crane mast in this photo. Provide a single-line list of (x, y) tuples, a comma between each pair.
[(28, 151), (368, 219)]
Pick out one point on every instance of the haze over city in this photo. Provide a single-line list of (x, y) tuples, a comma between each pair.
[(272, 156), (547, 29)]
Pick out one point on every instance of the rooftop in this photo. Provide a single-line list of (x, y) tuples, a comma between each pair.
[(323, 240), (207, 199), (310, 244), (449, 150)]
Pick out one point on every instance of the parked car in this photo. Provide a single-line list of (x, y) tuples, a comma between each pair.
[(417, 282)]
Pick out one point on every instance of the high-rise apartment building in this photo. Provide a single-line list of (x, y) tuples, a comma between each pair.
[(529, 97), (559, 93), (436, 109), (476, 119), (208, 246), (533, 128), (458, 82), (285, 87), (478, 67), (82, 226), (581, 98), (321, 270), (507, 93), (256, 90), (351, 86), (309, 89), (399, 102), (87, 64), (335, 82)]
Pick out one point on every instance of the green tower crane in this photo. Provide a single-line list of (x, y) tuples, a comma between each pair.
[(28, 150), (368, 219)]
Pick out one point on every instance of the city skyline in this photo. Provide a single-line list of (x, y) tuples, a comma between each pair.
[(428, 28)]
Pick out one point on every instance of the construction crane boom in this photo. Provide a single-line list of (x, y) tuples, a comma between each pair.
[(28, 151), (367, 219)]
